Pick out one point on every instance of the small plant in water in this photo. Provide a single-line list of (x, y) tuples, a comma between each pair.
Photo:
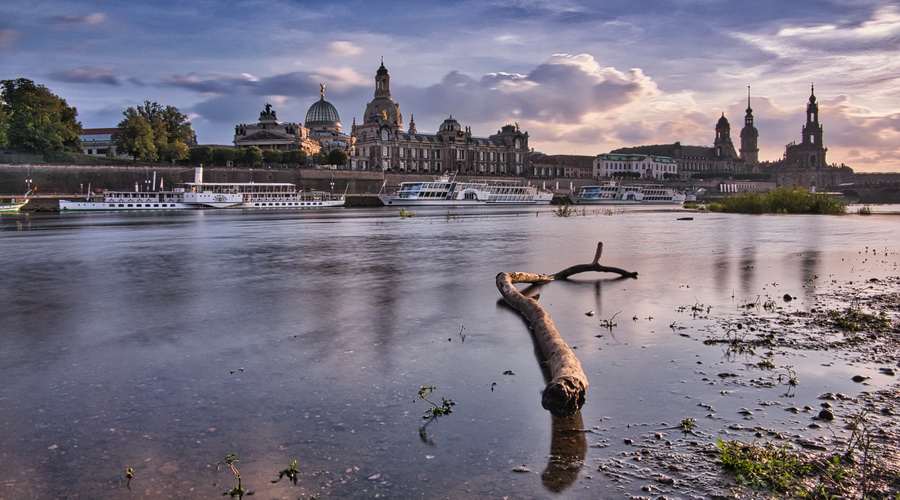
[(445, 408), (688, 424), (406, 214), (291, 473), (608, 323), (762, 467), (238, 491), (564, 210)]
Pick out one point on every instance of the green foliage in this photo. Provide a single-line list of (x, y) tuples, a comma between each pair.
[(406, 214), (221, 156), (688, 424), (291, 473), (33, 119), (152, 132), (251, 156), (762, 467), (855, 319), (338, 156), (272, 156), (864, 210), (564, 210), (783, 200), (435, 411), (238, 491), (295, 157), (201, 155), (320, 158)]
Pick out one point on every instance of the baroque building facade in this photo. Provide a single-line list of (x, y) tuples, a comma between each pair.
[(641, 166), (690, 160), (804, 163), (324, 125), (269, 133), (381, 143)]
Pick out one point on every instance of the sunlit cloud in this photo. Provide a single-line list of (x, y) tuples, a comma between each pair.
[(91, 19), (8, 38), (343, 48)]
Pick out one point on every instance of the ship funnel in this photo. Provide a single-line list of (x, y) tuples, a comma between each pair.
[(198, 175)]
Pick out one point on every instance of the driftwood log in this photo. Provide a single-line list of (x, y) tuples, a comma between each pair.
[(564, 394)]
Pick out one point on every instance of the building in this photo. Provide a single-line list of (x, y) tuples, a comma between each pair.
[(99, 142), (721, 158), (324, 125), (638, 166), (749, 139), (269, 133), (381, 143), (804, 163), (572, 166)]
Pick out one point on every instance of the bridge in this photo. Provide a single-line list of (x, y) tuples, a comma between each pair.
[(871, 188)]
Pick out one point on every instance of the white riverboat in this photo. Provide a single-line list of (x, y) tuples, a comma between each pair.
[(14, 204), (624, 194), (446, 192), (199, 194), (267, 194)]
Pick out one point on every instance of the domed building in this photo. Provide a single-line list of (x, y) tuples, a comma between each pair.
[(269, 133), (382, 144), (324, 125)]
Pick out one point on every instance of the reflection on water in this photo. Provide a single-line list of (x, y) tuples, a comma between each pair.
[(164, 342)]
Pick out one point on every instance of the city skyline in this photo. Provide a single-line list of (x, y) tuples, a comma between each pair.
[(580, 77)]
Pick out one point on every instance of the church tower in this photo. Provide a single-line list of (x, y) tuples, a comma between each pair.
[(749, 137), (812, 131), (382, 116), (810, 153), (724, 148)]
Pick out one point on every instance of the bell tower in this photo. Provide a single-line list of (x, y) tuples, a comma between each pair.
[(749, 137), (812, 131)]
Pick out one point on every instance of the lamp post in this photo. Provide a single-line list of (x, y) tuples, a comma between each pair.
[(28, 184)]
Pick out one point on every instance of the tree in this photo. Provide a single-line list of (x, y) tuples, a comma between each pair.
[(250, 156), (223, 156), (201, 155), (295, 157), (319, 158), (272, 156), (34, 119), (338, 156), (153, 132)]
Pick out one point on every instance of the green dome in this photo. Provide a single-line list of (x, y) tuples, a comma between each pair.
[(322, 113)]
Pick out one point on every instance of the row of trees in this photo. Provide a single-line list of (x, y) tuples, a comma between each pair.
[(151, 132), (34, 120), (254, 156)]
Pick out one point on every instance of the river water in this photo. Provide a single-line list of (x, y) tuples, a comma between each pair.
[(164, 342)]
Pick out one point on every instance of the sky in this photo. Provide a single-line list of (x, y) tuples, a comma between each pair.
[(580, 76)]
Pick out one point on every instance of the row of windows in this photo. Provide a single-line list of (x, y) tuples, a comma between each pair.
[(459, 154)]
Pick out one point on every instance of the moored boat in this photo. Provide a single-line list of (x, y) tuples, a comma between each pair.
[(446, 192), (15, 204), (199, 194), (623, 194)]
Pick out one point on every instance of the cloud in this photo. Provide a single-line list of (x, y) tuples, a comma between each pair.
[(91, 19), (88, 74), (343, 49), (8, 38), (563, 90)]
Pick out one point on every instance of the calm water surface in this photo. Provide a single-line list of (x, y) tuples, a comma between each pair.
[(165, 341)]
